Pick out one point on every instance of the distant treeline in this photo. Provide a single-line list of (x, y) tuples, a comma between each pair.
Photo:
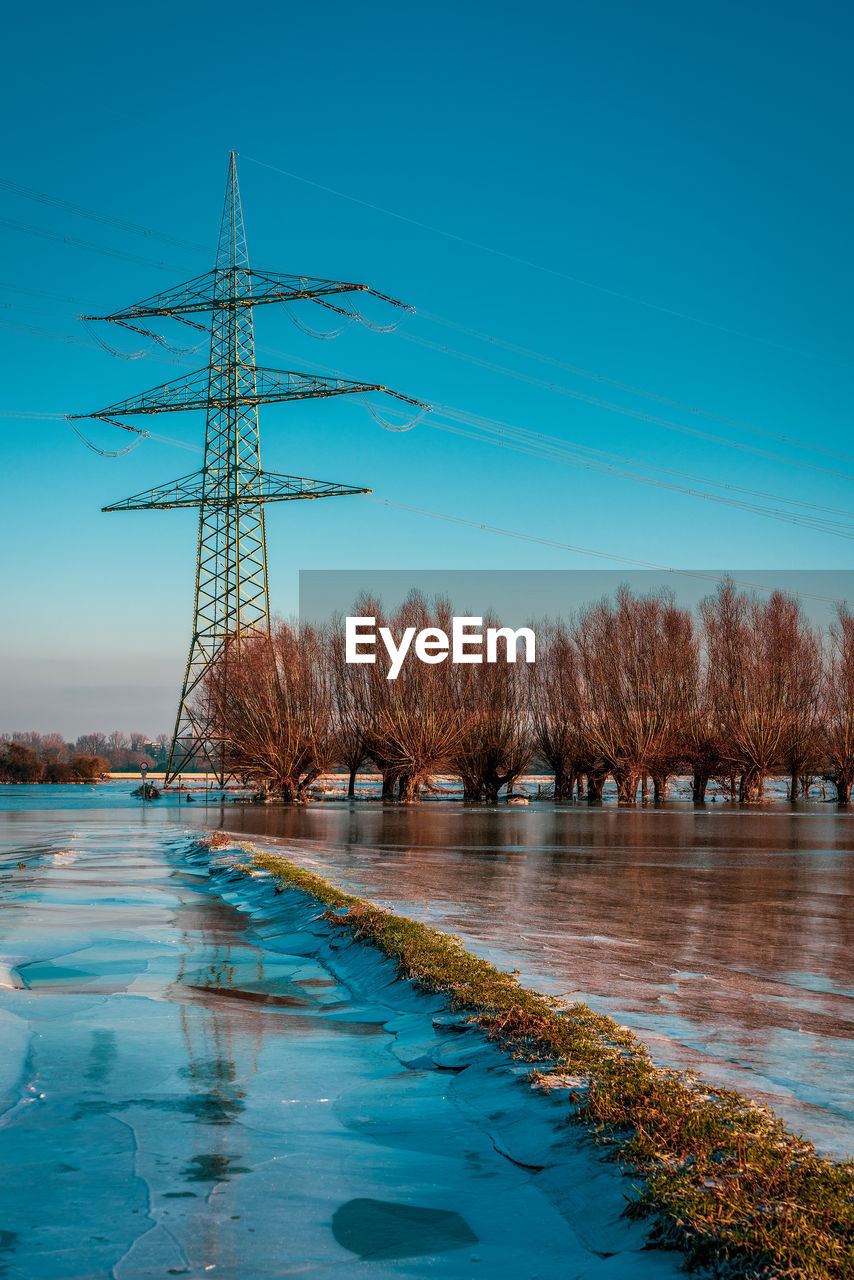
[(634, 688), (36, 757)]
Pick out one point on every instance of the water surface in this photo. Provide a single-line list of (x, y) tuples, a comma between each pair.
[(724, 936), (194, 1082)]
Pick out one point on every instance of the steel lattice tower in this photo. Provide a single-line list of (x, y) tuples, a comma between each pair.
[(231, 490)]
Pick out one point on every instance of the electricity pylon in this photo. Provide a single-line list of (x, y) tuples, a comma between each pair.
[(231, 489)]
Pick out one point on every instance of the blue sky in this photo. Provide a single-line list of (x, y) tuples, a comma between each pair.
[(690, 162)]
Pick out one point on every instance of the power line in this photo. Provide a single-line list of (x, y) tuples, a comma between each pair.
[(32, 330), (632, 388), (58, 236), (816, 523), (40, 293), (538, 444), (552, 271), (535, 444), (148, 233), (553, 445), (134, 228), (610, 405), (586, 551)]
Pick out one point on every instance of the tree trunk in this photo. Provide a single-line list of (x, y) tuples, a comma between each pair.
[(291, 793), (351, 786), (750, 786), (471, 788), (698, 787), (627, 786), (659, 787), (390, 777), (595, 782), (408, 787), (842, 781), (493, 782), (645, 788), (793, 783), (564, 782)]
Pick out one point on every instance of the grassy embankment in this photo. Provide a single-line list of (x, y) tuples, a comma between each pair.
[(723, 1179)]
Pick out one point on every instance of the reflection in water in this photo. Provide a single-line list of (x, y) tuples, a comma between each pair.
[(381, 1229), (213, 1167), (724, 936), (102, 1055), (177, 1076)]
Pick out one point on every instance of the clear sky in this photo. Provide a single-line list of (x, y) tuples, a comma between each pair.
[(658, 194)]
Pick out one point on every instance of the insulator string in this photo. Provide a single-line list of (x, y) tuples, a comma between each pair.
[(161, 341)]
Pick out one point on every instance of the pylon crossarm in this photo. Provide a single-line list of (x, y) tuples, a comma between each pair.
[(273, 286), (282, 488), (192, 295), (193, 391), (244, 287), (189, 491), (186, 491)]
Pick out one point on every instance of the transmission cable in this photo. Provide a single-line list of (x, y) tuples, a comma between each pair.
[(552, 447), (134, 228), (788, 517), (585, 551), (46, 234), (632, 388), (637, 414), (108, 453), (552, 271)]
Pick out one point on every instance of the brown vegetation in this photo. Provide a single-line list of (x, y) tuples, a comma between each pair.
[(24, 764), (635, 688), (270, 700)]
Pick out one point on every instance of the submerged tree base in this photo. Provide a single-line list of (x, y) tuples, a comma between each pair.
[(724, 1180)]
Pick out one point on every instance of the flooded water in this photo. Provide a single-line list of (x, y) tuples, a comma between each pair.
[(198, 1078), (724, 937)]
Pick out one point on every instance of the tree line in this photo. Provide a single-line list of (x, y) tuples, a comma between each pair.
[(46, 757), (633, 688)]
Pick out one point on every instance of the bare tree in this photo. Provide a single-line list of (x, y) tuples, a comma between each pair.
[(702, 745), (801, 650), (496, 741), (838, 705), (638, 659), (117, 742), (348, 735), (269, 700), (556, 698), (412, 724), (756, 685)]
